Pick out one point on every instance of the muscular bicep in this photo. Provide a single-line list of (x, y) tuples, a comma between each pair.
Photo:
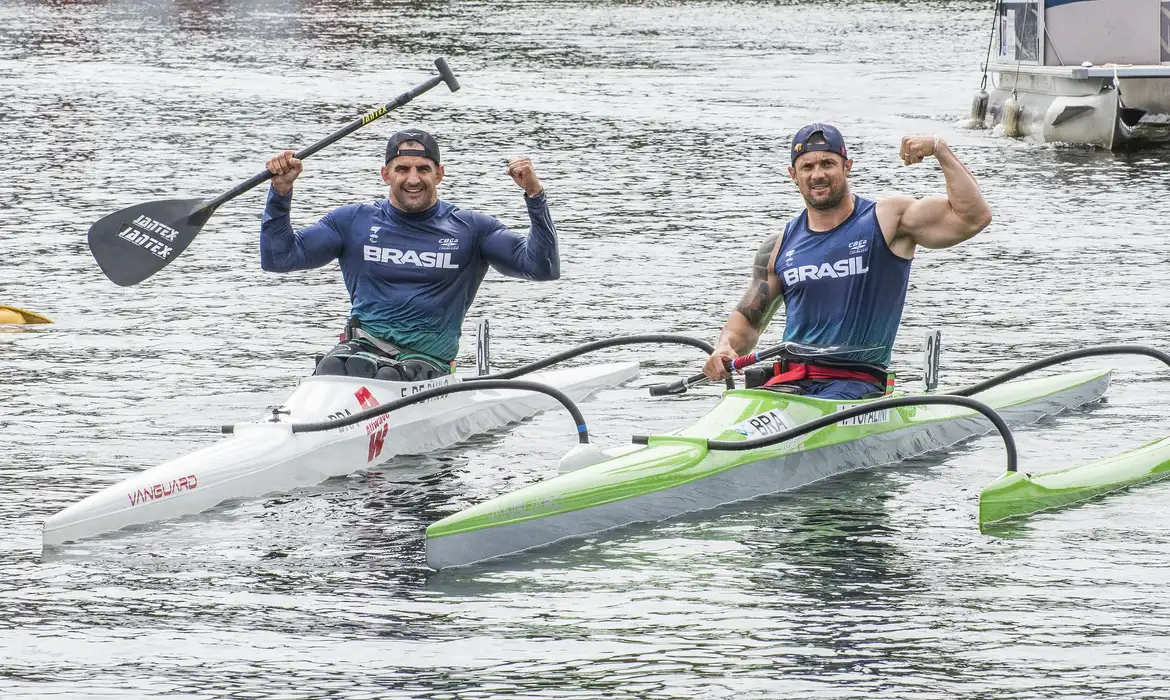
[(763, 295), (931, 222)]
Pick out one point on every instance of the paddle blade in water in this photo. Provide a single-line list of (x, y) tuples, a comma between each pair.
[(134, 243)]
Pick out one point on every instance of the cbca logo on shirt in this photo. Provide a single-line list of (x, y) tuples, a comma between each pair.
[(408, 257), (448, 243)]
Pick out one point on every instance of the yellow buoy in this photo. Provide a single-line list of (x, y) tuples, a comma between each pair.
[(1011, 117), (11, 314)]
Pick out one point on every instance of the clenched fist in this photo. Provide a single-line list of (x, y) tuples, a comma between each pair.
[(916, 148), (718, 362), (520, 169), (284, 169)]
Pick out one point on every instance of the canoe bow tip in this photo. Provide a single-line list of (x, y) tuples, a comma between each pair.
[(17, 316)]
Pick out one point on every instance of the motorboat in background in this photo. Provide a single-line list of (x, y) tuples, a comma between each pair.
[(1085, 72)]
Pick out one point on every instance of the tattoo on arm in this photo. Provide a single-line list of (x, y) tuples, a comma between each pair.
[(758, 304)]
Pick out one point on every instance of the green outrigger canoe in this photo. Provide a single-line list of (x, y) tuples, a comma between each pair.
[(680, 473), (1018, 494)]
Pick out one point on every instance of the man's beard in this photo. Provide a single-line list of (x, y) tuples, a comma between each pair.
[(835, 198), (415, 207)]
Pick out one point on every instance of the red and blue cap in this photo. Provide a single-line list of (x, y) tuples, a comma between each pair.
[(831, 140)]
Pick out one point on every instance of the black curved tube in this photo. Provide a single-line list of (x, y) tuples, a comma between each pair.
[(1063, 357), (582, 431), (946, 399), (663, 338)]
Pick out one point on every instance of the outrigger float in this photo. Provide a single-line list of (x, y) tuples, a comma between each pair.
[(758, 442), (1017, 494)]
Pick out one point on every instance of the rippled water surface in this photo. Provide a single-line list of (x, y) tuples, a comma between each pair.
[(660, 130)]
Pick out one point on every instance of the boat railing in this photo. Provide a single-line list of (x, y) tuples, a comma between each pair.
[(1153, 70)]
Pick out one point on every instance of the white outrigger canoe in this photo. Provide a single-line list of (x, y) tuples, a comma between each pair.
[(267, 456)]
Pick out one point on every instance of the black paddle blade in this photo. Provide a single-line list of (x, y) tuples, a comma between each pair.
[(133, 244)]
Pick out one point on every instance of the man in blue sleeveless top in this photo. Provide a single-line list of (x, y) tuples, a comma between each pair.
[(412, 263), (842, 267)]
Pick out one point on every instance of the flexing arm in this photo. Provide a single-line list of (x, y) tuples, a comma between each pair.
[(937, 222), (284, 250), (533, 257), (751, 315)]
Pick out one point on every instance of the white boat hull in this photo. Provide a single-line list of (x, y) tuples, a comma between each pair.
[(1085, 113), (267, 457), (1094, 111)]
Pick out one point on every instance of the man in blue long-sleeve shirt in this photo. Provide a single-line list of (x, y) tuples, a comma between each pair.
[(412, 263)]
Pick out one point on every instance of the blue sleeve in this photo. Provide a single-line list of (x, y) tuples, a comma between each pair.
[(533, 257), (285, 250)]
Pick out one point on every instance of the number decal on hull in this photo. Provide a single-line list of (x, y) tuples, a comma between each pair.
[(377, 439), (768, 423), (377, 428)]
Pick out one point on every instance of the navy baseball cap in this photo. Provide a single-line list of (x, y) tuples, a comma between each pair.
[(430, 147), (832, 140)]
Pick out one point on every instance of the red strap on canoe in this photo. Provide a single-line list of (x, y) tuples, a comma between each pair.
[(797, 372)]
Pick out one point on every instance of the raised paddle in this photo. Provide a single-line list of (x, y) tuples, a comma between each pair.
[(134, 243)]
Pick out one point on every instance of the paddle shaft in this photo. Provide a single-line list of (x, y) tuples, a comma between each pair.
[(680, 386), (445, 76)]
